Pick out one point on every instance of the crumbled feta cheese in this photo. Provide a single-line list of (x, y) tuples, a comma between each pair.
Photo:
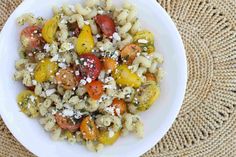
[(115, 54), (100, 12), (78, 115), (108, 79), (77, 73), (62, 65), (77, 62), (110, 109), (108, 71), (145, 48), (116, 36), (118, 111), (101, 76), (34, 82), (47, 47), (55, 58), (111, 133), (68, 112), (89, 80), (98, 36), (30, 54), (85, 63), (86, 22), (32, 98), (50, 92), (101, 48), (66, 47), (142, 41), (108, 87), (30, 68), (54, 111), (83, 82), (43, 94)]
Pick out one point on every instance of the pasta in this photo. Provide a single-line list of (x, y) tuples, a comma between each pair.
[(88, 72)]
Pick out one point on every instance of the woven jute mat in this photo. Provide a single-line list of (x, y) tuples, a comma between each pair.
[(206, 125)]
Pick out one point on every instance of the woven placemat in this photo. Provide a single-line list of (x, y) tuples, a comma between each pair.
[(206, 125)]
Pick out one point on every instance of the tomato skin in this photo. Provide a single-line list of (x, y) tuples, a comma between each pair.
[(125, 77), (95, 89), (106, 24), (88, 129), (23, 100), (105, 139), (49, 29), (150, 77), (31, 39), (44, 70), (130, 52), (66, 78), (90, 66), (119, 104), (85, 42), (64, 124), (109, 64)]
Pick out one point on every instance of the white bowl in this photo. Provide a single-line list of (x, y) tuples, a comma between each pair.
[(157, 120)]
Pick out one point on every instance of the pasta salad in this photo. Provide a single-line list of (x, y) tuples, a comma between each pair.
[(88, 72)]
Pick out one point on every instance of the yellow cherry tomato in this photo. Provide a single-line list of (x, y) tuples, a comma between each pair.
[(107, 139), (49, 29), (147, 95), (125, 77), (145, 40), (28, 103), (85, 43), (89, 129), (44, 70)]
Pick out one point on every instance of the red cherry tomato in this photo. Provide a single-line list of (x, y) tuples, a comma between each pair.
[(95, 89), (89, 67), (106, 24), (65, 123), (66, 78), (31, 38)]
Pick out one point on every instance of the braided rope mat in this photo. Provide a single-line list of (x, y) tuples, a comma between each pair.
[(206, 125)]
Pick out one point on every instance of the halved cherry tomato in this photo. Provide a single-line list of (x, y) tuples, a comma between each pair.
[(120, 105), (130, 52), (95, 89), (85, 42), (49, 29), (44, 70), (150, 77), (66, 78), (109, 64), (104, 137), (31, 39), (106, 24), (90, 66), (88, 129), (28, 103), (66, 124), (125, 77)]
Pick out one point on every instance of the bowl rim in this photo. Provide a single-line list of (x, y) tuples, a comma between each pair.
[(174, 111)]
